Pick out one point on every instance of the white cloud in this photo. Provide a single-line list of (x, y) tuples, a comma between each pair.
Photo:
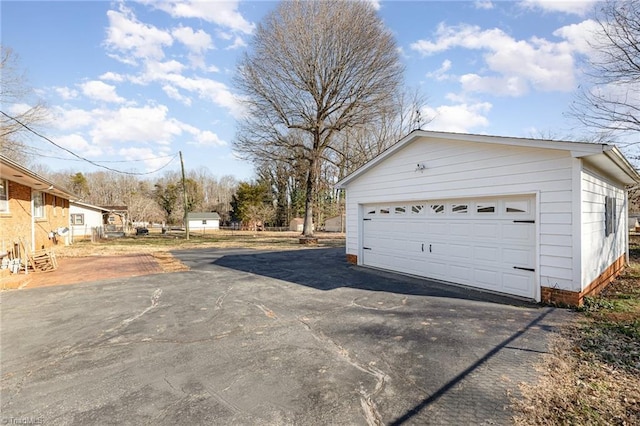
[(461, 118), (100, 91), (112, 76), (483, 4), (196, 41), (154, 157), (207, 138), (66, 93), (142, 125), (580, 35), (173, 93), (67, 119), (238, 42), (78, 144), (224, 13), (576, 7), (536, 62), (441, 73), (130, 36)]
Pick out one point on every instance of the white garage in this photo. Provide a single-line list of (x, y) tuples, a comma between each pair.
[(543, 220)]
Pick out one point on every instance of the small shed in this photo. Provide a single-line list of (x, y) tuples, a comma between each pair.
[(84, 219), (335, 224), (541, 219), (203, 221), (296, 224)]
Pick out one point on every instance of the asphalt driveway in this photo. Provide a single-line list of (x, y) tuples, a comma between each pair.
[(296, 337)]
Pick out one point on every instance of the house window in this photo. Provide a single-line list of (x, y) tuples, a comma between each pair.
[(77, 219), (4, 196), (204, 221), (609, 216), (112, 220), (38, 204)]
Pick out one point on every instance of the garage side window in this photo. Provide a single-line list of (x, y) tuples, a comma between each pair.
[(609, 216)]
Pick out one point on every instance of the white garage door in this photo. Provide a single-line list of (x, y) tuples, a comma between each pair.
[(484, 243)]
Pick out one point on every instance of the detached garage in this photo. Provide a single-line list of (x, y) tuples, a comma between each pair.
[(542, 220)]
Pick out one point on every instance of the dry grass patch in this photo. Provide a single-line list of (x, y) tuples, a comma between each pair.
[(160, 245), (592, 375)]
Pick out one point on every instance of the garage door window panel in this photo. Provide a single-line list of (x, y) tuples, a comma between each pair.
[(417, 209), (436, 209), (459, 208), (485, 208), (516, 207)]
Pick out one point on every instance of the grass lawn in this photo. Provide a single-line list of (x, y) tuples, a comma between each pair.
[(175, 240), (592, 376)]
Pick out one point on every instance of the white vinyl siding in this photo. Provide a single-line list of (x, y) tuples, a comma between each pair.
[(458, 169), (600, 250), (91, 218)]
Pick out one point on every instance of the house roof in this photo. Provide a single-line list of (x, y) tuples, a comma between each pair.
[(202, 215), (15, 172), (88, 206), (605, 157), (115, 209)]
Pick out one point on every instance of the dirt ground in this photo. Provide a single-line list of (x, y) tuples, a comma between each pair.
[(85, 261)]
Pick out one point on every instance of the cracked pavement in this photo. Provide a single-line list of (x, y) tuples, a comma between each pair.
[(275, 338)]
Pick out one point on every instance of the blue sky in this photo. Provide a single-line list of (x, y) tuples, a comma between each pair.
[(138, 81)]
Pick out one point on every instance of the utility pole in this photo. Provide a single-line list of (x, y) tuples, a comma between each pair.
[(184, 196)]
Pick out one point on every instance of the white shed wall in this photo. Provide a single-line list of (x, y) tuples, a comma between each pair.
[(456, 169), (92, 219), (197, 224), (600, 251)]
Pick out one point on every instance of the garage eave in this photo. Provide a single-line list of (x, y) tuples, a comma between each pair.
[(576, 149)]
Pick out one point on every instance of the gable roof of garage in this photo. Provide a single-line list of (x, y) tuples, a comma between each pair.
[(605, 157)]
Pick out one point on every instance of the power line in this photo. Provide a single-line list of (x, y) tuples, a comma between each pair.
[(83, 158)]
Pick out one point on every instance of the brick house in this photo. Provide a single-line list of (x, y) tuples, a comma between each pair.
[(33, 210)]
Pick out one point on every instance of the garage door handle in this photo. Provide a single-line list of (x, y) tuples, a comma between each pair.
[(366, 248), (429, 248), (524, 269), (423, 247)]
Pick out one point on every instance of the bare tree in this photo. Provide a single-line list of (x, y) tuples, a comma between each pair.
[(313, 70), (16, 100), (612, 103)]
